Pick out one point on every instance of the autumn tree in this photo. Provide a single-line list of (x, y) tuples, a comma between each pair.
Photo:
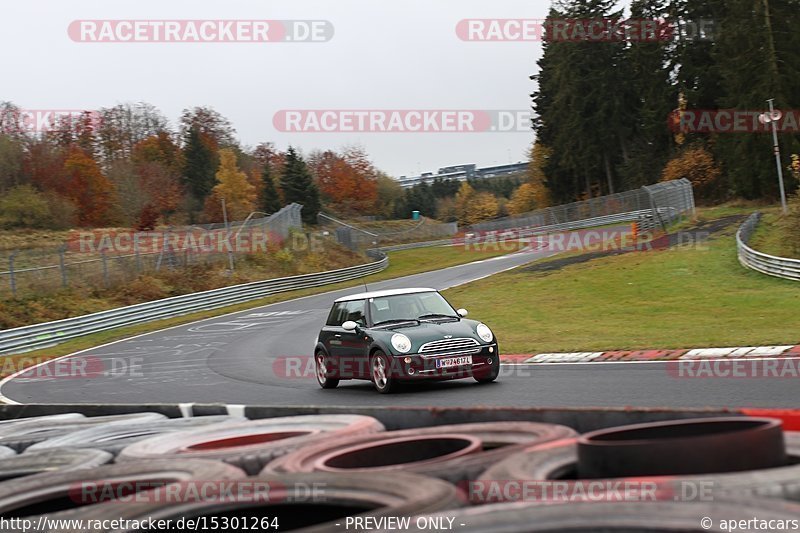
[(346, 181), (389, 194), (233, 187), (523, 200), (473, 207), (124, 126), (157, 163), (215, 128), (298, 186), (161, 149), (23, 207), (85, 185), (696, 164)]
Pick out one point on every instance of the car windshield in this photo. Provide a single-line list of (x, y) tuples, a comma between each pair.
[(416, 306)]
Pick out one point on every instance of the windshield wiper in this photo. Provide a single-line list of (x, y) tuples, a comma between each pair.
[(436, 315), (395, 321)]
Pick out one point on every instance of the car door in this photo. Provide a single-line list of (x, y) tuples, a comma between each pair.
[(348, 349)]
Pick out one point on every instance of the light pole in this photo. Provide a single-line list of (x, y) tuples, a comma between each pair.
[(771, 118)]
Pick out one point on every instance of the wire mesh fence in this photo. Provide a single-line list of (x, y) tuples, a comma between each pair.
[(379, 235), (103, 258), (665, 202)]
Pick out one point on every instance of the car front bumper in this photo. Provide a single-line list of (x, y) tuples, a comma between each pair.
[(424, 367)]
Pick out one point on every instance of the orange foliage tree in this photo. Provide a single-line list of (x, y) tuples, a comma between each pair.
[(86, 186), (348, 181), (696, 164)]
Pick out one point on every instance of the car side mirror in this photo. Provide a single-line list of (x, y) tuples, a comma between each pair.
[(462, 312), (349, 325)]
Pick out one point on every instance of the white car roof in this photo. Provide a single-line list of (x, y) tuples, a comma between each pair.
[(378, 294)]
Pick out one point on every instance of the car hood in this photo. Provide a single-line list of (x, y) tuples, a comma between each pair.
[(431, 331)]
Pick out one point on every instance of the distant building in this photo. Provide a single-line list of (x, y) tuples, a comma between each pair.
[(463, 173)]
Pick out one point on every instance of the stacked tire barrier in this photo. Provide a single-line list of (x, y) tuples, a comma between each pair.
[(314, 472)]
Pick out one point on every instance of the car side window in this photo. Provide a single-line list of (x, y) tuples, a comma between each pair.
[(355, 312), (335, 318), (344, 311)]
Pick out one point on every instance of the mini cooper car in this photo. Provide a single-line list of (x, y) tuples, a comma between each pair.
[(402, 335)]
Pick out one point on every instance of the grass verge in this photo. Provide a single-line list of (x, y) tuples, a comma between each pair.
[(677, 298)]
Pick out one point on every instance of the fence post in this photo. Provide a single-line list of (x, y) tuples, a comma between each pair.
[(62, 266), (105, 268), (12, 278), (136, 255)]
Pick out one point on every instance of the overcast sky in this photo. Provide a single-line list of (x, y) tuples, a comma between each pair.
[(384, 55)]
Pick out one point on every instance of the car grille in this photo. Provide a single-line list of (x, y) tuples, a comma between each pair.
[(462, 346)]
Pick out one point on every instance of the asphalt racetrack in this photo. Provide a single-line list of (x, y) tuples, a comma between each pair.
[(262, 356)]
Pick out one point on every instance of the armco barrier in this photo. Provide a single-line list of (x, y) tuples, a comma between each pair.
[(28, 338), (780, 267)]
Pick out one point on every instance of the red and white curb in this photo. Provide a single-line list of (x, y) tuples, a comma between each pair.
[(737, 352)]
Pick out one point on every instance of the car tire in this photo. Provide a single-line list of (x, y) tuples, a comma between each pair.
[(304, 502), (250, 445), (56, 460), (24, 434), (379, 364), (322, 372), (558, 460), (494, 371), (51, 492), (419, 452), (113, 438)]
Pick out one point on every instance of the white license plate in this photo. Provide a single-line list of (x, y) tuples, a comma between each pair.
[(454, 361)]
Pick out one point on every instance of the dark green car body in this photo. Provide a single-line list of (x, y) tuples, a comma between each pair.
[(441, 347)]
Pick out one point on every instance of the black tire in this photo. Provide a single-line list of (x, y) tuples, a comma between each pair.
[(378, 365), (559, 460), (50, 492), (250, 445), (338, 496), (30, 463), (25, 433), (322, 372), (424, 456), (113, 438), (640, 516), (494, 371)]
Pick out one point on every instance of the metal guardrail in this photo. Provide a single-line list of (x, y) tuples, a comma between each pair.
[(780, 267), (27, 338)]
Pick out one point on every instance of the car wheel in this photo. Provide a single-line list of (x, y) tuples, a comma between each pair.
[(322, 372), (381, 373), (491, 375)]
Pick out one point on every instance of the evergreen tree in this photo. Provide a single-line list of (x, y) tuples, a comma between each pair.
[(200, 165), (270, 199), (756, 56), (298, 186)]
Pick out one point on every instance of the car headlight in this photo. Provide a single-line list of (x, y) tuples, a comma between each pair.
[(484, 332), (401, 343)]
